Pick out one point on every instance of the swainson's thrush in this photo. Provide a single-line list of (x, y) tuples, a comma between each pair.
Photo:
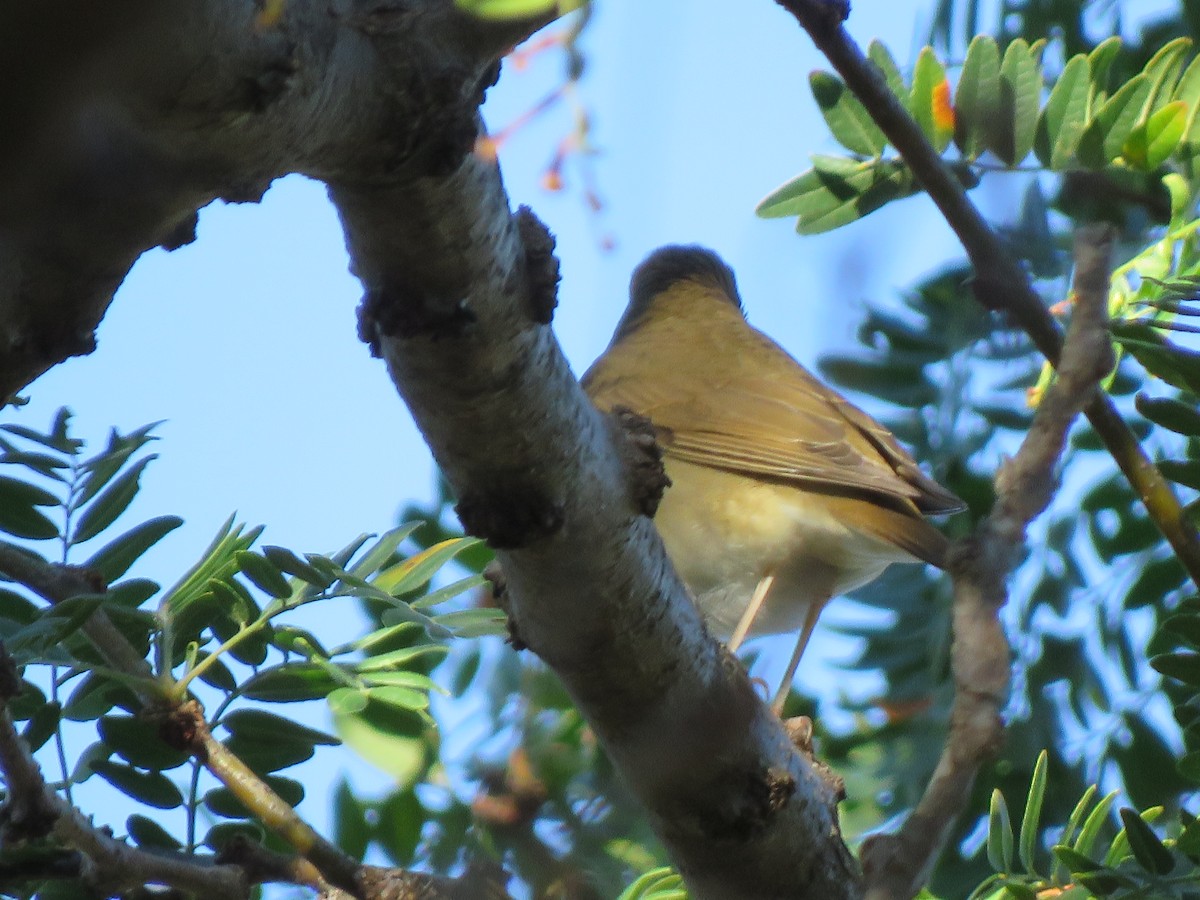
[(783, 493)]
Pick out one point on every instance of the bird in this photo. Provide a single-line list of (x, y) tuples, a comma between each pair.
[(783, 494)]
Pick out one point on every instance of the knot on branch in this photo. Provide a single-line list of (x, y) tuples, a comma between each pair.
[(510, 514), (763, 795), (541, 265), (642, 456), (402, 311), (178, 726)]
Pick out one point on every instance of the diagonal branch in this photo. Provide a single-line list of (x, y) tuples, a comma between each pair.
[(1000, 283), (897, 865)]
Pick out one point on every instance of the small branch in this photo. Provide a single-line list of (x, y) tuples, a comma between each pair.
[(56, 584), (107, 865), (897, 865), (267, 806), (1000, 283)]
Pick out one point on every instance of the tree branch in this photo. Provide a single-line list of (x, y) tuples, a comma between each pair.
[(1000, 283), (457, 295), (898, 865), (106, 865)]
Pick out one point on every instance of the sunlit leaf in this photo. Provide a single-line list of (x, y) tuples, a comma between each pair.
[(848, 120), (977, 97), (1064, 116)]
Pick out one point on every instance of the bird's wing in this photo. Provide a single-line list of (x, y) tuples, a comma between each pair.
[(800, 433)]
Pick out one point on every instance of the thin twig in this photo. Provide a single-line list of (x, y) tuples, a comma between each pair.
[(897, 865), (1000, 283)]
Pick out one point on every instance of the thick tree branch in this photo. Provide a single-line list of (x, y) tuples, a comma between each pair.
[(1000, 283), (455, 301), (121, 124), (898, 865)]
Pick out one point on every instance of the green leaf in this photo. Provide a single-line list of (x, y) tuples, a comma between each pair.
[(1151, 144), (1147, 848), (290, 683), (1156, 580), (220, 835), (1091, 827), (257, 724), (1100, 60), (56, 439), (1188, 91), (977, 97), (1180, 417), (18, 516), (1075, 861), (472, 623), (1064, 116), (42, 725), (137, 741), (849, 122), (41, 463), (882, 58), (1031, 820), (514, 9), (223, 802), (351, 831), (1015, 125), (1181, 471), (402, 658), (1183, 667), (113, 501), (401, 818), (929, 100), (148, 833), (416, 571), (103, 467), (1185, 626), (264, 755), (1162, 71), (1000, 837), (115, 558), (382, 550), (1104, 138), (151, 788), (389, 737), (289, 562), (263, 573)]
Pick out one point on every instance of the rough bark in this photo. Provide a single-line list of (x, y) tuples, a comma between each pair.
[(143, 119)]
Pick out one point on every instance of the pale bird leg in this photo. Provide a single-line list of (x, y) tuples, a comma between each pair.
[(785, 687), (747, 619)]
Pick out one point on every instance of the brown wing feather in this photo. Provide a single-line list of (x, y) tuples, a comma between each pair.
[(733, 399)]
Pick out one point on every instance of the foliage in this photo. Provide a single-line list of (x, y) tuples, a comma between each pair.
[(224, 632), (1000, 115)]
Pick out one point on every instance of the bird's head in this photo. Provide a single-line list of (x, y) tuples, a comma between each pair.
[(677, 274)]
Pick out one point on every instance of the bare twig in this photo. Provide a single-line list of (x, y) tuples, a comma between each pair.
[(897, 865), (1000, 283)]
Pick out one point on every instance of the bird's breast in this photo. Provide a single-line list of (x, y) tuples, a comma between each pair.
[(725, 532)]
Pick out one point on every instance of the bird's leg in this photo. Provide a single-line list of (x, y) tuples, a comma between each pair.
[(785, 687), (748, 617)]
